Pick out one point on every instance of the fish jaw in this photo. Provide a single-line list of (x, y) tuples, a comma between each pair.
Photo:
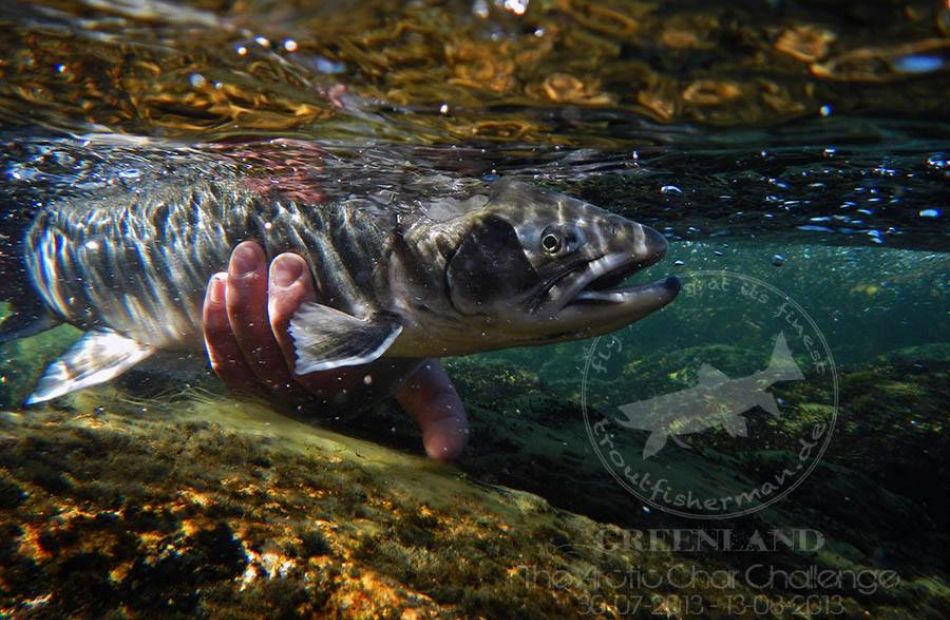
[(599, 312), (586, 304)]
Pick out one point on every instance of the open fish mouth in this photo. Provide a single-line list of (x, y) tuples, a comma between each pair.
[(601, 279), (590, 298), (606, 288)]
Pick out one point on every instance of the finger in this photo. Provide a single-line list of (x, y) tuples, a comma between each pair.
[(225, 355), (290, 285), (431, 399), (246, 301)]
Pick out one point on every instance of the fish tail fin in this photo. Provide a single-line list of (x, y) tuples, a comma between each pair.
[(782, 366), (628, 419), (99, 356)]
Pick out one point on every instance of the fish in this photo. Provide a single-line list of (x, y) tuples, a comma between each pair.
[(507, 265), (716, 401)]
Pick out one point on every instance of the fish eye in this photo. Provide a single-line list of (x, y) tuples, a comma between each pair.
[(551, 243)]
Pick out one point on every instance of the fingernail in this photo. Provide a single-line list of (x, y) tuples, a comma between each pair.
[(285, 270), (244, 259), (217, 288)]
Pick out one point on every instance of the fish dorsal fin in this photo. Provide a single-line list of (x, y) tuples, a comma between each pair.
[(782, 366), (512, 191), (326, 338), (710, 376), (99, 356)]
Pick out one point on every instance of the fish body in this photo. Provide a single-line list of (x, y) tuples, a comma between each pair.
[(141, 268), (716, 401), (513, 266)]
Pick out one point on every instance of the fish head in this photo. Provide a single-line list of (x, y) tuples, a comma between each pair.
[(542, 267)]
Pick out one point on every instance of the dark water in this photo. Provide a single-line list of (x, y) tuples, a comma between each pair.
[(794, 154)]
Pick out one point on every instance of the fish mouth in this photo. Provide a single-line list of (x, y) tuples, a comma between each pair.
[(600, 281), (606, 289), (593, 300)]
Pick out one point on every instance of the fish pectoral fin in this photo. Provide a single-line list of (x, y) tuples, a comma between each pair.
[(325, 338), (99, 356), (768, 402), (654, 444), (736, 426)]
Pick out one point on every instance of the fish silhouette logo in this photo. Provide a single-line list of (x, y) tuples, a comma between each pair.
[(711, 478), (716, 401)]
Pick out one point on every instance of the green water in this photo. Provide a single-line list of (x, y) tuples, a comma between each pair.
[(794, 151)]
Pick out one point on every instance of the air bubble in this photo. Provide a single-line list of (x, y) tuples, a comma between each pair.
[(518, 7), (938, 161), (919, 63)]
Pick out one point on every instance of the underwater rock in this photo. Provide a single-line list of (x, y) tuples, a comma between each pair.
[(227, 509), (805, 42), (216, 507)]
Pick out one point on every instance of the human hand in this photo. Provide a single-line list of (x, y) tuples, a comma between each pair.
[(246, 313)]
